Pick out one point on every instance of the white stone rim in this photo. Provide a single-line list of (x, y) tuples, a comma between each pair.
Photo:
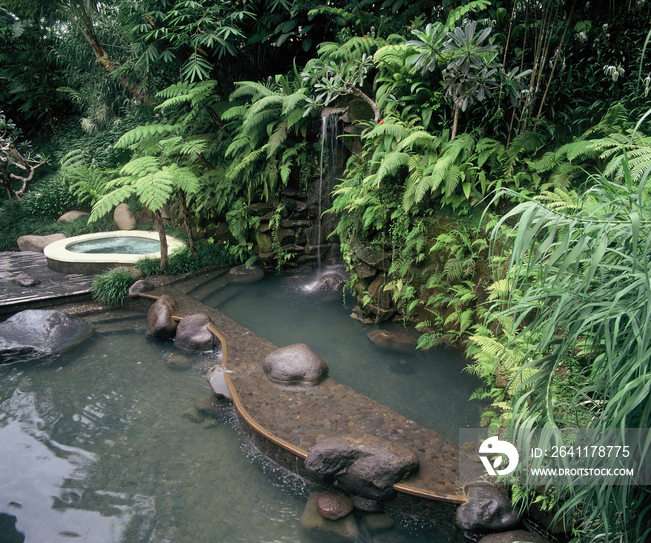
[(58, 250)]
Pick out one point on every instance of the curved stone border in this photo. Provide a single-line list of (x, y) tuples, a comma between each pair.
[(260, 430), (60, 259)]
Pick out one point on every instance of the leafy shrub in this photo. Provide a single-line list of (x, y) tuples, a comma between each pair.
[(183, 261), (148, 265), (48, 198), (112, 286)]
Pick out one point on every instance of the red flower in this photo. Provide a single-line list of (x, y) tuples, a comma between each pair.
[(382, 121)]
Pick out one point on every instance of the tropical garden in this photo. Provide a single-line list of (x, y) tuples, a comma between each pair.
[(499, 150)]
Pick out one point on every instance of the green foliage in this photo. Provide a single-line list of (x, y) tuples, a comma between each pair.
[(182, 261), (87, 183), (112, 286), (269, 148), (48, 198), (583, 273)]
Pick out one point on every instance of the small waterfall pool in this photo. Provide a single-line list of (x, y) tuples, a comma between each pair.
[(428, 387)]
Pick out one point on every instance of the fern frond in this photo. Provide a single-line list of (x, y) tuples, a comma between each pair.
[(237, 145), (140, 166), (250, 89), (275, 101), (109, 201), (141, 132), (390, 165), (154, 189), (277, 139)]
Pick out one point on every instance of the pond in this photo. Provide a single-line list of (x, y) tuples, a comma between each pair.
[(429, 387), (103, 444)]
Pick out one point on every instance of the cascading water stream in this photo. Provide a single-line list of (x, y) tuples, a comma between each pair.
[(329, 145)]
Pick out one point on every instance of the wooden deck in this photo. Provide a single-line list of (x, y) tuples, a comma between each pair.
[(55, 288)]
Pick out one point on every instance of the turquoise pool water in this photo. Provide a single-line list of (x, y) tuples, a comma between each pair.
[(429, 387), (103, 444)]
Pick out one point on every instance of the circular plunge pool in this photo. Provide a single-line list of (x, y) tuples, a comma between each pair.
[(93, 253)]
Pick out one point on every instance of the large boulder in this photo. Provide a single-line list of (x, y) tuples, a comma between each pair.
[(242, 274), (123, 218), (393, 341), (192, 333), (330, 281), (159, 317), (487, 508), (142, 285), (365, 466), (71, 216), (37, 243), (35, 333), (295, 365), (514, 537)]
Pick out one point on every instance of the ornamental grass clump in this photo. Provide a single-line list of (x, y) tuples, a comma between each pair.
[(112, 286), (578, 275)]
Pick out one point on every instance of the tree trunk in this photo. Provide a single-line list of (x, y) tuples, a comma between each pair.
[(81, 17), (158, 218), (186, 220), (456, 122)]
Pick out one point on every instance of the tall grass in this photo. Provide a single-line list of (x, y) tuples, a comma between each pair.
[(579, 275)]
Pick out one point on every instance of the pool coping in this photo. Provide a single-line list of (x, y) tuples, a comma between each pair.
[(406, 492), (58, 255)]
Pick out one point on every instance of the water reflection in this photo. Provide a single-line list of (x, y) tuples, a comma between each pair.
[(42, 481)]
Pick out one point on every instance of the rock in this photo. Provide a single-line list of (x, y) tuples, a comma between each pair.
[(25, 280), (215, 377), (159, 317), (333, 505), (71, 216), (470, 451), (242, 274), (366, 505), (365, 466), (209, 406), (123, 218), (364, 271), (295, 365), (193, 416), (513, 537), (142, 285), (373, 257), (37, 243), (35, 333), (330, 281), (192, 333), (178, 362), (486, 509), (382, 298), (501, 380), (393, 341), (377, 523), (322, 530)]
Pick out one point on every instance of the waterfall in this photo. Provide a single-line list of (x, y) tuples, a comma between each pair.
[(331, 147)]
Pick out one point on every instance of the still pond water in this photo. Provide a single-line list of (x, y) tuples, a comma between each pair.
[(103, 444)]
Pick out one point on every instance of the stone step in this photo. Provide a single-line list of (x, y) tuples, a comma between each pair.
[(220, 296), (194, 284)]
